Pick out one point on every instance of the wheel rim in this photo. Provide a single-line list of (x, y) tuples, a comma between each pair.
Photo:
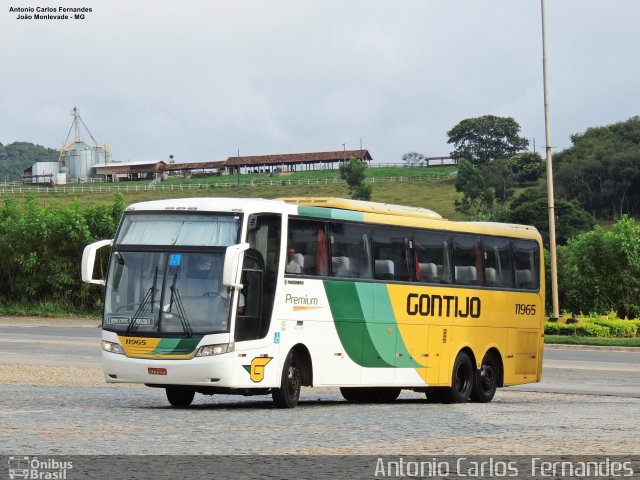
[(487, 377), (293, 381)]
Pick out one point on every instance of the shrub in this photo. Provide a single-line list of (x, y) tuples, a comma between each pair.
[(617, 328), (42, 250), (582, 329), (600, 270)]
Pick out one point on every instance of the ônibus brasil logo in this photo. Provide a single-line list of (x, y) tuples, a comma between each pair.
[(36, 468)]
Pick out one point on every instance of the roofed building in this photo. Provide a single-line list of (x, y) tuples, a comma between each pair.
[(115, 171), (291, 162)]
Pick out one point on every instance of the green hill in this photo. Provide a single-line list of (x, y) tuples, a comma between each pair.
[(17, 156)]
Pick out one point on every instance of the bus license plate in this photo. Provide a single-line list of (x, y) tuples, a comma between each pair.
[(157, 371)]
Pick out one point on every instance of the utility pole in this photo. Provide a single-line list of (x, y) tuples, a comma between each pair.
[(552, 215), (238, 167)]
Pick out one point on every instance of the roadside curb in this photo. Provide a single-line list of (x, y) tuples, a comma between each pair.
[(560, 346)]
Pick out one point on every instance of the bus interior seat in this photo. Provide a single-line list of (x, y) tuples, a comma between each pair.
[(340, 266), (524, 279), (428, 272), (384, 269), (490, 276), (466, 274)]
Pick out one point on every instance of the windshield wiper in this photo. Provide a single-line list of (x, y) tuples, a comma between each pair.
[(149, 298), (175, 297)]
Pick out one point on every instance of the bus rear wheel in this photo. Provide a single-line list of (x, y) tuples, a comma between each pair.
[(486, 379), (288, 394), (462, 380), (180, 396)]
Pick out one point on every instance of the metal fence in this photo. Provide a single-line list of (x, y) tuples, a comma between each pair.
[(162, 187)]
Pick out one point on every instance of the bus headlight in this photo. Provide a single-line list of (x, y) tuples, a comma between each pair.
[(209, 350), (112, 347)]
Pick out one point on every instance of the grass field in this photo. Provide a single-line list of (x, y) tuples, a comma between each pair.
[(431, 188), (597, 341)]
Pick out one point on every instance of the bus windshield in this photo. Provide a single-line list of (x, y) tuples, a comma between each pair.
[(166, 292), (158, 284), (185, 229)]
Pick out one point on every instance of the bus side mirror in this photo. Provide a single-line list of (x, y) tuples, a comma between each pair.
[(89, 260), (233, 265)]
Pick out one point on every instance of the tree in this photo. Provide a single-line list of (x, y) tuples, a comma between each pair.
[(477, 198), (352, 171), (530, 208), (527, 167), (500, 177), (601, 170), (484, 139), (412, 159)]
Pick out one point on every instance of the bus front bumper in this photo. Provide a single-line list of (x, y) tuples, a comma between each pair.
[(212, 371)]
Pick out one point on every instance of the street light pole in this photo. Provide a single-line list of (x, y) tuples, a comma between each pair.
[(552, 215)]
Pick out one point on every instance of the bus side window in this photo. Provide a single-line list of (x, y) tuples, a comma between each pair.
[(497, 262), (306, 248), (431, 256), (391, 245), (350, 250), (467, 260), (526, 261)]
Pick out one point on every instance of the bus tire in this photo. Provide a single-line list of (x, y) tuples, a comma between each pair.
[(370, 394), (486, 379), (352, 394), (180, 396), (386, 395), (462, 378), (436, 394), (288, 394)]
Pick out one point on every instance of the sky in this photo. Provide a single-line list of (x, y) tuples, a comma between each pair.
[(204, 79)]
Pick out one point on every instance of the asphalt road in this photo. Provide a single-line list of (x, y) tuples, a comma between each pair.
[(582, 371)]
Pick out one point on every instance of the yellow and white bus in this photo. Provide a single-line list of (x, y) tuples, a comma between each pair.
[(255, 297)]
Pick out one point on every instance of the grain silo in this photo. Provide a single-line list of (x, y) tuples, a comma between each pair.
[(78, 158)]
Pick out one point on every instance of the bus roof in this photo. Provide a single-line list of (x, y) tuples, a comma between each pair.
[(362, 206), (338, 209), (400, 215)]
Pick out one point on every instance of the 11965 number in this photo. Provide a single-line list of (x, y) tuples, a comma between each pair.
[(524, 309)]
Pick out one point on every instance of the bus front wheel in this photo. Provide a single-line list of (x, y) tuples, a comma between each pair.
[(180, 396), (288, 394)]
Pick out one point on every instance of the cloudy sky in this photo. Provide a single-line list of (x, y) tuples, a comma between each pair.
[(200, 79)]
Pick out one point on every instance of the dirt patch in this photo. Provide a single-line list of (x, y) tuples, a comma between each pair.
[(49, 321), (57, 376)]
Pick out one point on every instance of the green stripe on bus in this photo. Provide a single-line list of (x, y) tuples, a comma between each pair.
[(351, 324), (176, 346), (383, 315), (330, 213), (366, 324)]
